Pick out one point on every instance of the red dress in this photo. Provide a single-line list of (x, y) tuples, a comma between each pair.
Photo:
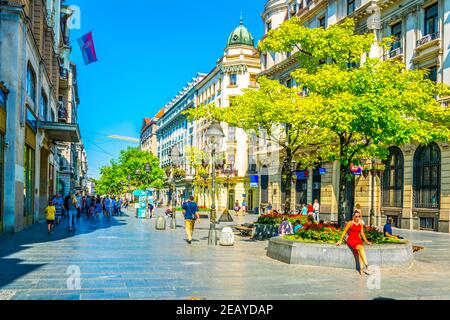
[(354, 238)]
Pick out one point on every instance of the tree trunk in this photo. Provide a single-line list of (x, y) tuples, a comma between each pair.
[(343, 205), (286, 177)]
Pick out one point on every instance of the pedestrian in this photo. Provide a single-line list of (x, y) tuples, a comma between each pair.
[(108, 207), (98, 210), (244, 207), (150, 208), (119, 206), (285, 228), (310, 210), (79, 204), (58, 202), (113, 206), (191, 215), (356, 235), (50, 213), (66, 205), (387, 230), (237, 208), (73, 212), (304, 210), (316, 208)]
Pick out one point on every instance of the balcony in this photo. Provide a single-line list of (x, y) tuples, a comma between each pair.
[(428, 40), (394, 54)]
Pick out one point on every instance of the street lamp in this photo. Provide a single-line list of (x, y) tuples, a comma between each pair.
[(374, 171), (214, 134), (175, 157), (229, 172)]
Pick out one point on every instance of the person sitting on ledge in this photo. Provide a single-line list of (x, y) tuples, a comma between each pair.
[(297, 226), (285, 227), (387, 230)]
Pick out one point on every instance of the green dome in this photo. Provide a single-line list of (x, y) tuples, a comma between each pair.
[(241, 35)]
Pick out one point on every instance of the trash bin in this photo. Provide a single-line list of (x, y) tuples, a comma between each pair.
[(227, 237), (160, 223)]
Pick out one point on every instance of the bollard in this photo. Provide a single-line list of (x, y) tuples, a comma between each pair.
[(227, 237), (160, 223)]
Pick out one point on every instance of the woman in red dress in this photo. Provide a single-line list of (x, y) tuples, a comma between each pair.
[(355, 230)]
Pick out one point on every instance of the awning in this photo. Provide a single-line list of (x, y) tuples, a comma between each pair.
[(60, 131)]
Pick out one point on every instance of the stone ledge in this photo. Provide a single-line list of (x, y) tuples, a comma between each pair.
[(328, 255)]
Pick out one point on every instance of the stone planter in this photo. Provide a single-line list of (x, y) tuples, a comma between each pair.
[(328, 255), (265, 231)]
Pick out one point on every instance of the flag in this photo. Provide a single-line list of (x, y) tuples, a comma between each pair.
[(86, 44)]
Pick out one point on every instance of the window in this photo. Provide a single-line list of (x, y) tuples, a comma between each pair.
[(29, 181), (393, 179), (322, 22), (428, 223), (268, 26), (264, 60), (31, 83), (427, 177), (431, 19), (231, 134), (31, 119), (350, 6), (233, 79), (395, 221), (396, 32), (3, 94), (432, 74), (43, 112), (289, 83)]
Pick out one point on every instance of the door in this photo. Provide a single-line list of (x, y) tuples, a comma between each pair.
[(350, 198)]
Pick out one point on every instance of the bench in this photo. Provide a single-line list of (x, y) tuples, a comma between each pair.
[(245, 229)]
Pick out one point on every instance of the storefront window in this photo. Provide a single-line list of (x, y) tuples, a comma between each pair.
[(427, 177), (393, 179)]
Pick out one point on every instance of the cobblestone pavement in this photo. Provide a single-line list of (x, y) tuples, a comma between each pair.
[(128, 259)]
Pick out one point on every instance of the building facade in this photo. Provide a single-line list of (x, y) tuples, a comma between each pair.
[(34, 52), (415, 188), (148, 133), (175, 129)]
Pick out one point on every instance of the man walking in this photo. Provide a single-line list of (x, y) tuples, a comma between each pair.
[(191, 214)]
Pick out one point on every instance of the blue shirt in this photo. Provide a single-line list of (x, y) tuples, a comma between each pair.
[(190, 209), (387, 229)]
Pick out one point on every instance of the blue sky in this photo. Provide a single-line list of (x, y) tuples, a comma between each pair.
[(147, 51)]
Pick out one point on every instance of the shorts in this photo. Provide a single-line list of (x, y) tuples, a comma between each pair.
[(52, 222)]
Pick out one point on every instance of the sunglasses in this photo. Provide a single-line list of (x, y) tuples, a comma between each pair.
[(357, 216)]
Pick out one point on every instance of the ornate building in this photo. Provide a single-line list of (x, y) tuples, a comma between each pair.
[(415, 188), (34, 71)]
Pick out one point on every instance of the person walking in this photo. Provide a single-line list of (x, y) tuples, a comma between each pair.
[(50, 212), (98, 212), (119, 206), (237, 207), (316, 208), (58, 202), (356, 235), (79, 204), (191, 215), (108, 207), (73, 212)]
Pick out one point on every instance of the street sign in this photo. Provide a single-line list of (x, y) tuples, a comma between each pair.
[(323, 171), (254, 181), (356, 170), (302, 175)]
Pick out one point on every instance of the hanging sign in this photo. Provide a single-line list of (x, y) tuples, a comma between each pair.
[(356, 170), (302, 175), (323, 171), (254, 181)]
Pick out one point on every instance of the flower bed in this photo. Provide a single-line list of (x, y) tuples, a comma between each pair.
[(277, 219), (331, 233)]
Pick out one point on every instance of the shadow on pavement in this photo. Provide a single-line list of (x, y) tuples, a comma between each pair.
[(12, 269)]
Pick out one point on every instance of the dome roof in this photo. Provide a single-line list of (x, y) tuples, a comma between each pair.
[(241, 35)]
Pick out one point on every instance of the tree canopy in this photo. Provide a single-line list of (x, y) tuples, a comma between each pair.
[(114, 177)]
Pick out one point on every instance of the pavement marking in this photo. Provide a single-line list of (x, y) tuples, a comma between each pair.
[(191, 263), (7, 294), (104, 237)]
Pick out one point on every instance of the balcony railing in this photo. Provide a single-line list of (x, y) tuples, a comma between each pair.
[(393, 53), (427, 38), (62, 114), (63, 73)]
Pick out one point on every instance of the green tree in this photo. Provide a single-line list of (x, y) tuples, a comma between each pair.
[(344, 112), (114, 178)]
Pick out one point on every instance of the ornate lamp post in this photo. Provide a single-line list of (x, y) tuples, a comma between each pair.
[(229, 173), (375, 171), (214, 134), (175, 157)]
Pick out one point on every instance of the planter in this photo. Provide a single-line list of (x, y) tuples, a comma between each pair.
[(328, 255), (265, 231)]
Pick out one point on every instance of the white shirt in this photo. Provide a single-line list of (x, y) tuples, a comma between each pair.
[(316, 207)]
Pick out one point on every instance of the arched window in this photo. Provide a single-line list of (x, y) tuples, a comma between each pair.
[(31, 83), (427, 177), (393, 179)]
